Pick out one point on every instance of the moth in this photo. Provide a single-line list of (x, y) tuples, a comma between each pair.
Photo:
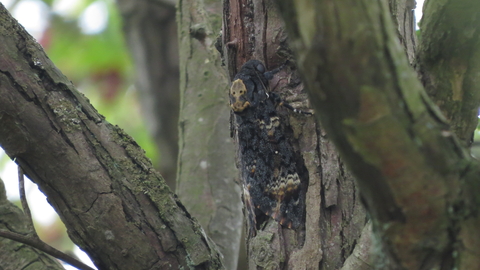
[(270, 169)]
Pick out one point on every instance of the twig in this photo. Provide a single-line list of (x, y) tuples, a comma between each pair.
[(23, 199), (33, 240), (42, 246)]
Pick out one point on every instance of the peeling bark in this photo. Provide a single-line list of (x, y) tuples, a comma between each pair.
[(335, 216)]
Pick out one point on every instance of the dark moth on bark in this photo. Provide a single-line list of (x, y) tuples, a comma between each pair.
[(272, 173)]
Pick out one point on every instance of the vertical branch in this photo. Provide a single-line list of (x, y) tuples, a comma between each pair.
[(404, 18), (23, 199)]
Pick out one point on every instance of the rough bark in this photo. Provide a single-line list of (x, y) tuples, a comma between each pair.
[(15, 255), (335, 217), (448, 61), (414, 176), (151, 34), (206, 180), (404, 18), (114, 205)]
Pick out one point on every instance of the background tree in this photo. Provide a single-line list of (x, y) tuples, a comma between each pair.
[(151, 33), (206, 179)]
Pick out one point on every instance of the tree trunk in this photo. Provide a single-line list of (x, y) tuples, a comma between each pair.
[(151, 34), (414, 176), (113, 203), (335, 217), (206, 181)]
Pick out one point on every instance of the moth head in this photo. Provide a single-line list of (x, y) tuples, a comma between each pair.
[(238, 96)]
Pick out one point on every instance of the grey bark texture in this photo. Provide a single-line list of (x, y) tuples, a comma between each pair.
[(207, 180), (116, 207)]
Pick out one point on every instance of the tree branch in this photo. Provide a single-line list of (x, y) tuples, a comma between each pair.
[(116, 207), (33, 240), (13, 254), (404, 19), (42, 246), (408, 164)]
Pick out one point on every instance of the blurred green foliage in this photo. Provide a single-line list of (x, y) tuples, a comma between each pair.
[(80, 56), (100, 66)]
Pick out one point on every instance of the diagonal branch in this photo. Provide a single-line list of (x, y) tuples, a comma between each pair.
[(116, 207)]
